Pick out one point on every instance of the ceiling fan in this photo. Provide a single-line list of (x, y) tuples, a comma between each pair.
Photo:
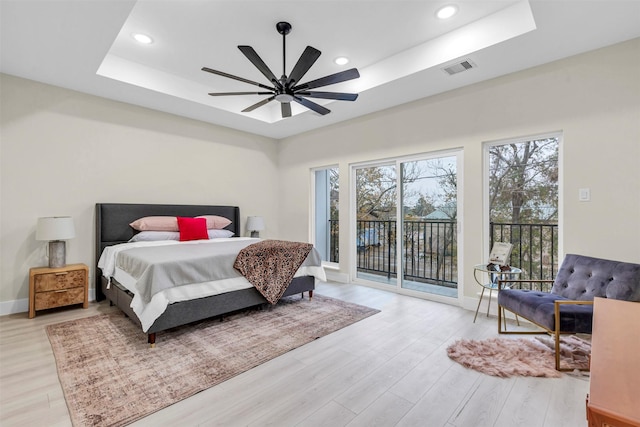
[(287, 89)]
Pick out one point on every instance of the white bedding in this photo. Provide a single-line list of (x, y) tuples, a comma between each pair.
[(149, 312)]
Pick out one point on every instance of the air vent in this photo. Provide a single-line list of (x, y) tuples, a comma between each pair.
[(459, 67)]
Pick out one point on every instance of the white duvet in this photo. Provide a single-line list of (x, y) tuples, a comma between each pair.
[(149, 312)]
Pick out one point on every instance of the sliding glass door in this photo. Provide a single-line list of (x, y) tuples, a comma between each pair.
[(406, 224), (429, 225), (375, 204)]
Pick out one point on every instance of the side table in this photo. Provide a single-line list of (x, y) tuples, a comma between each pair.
[(57, 287), (494, 276)]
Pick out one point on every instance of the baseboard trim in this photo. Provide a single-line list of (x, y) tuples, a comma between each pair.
[(471, 304), (335, 276), (22, 305), (15, 306)]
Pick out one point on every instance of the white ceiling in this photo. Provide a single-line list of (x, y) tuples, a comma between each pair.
[(399, 47)]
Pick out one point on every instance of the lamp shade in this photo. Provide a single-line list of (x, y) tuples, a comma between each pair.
[(55, 228), (255, 223)]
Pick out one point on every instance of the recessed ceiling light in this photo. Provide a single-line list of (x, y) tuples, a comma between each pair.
[(447, 11), (142, 38), (341, 60)]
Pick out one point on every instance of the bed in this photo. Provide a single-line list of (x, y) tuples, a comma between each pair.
[(112, 228)]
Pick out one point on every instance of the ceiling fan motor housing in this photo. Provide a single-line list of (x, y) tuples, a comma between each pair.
[(283, 28)]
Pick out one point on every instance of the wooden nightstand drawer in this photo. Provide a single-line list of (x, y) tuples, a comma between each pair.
[(60, 280), (58, 287), (59, 298)]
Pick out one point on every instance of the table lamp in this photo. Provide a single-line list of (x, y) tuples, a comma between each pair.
[(56, 229), (254, 225)]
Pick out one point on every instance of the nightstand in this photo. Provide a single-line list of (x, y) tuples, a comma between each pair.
[(58, 287)]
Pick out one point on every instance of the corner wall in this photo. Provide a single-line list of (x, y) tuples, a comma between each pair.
[(63, 151)]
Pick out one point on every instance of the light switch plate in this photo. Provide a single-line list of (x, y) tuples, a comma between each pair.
[(584, 194)]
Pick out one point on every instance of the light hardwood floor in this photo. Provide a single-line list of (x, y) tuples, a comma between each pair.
[(390, 369)]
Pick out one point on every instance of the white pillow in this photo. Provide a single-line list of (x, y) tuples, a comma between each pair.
[(150, 236), (218, 234)]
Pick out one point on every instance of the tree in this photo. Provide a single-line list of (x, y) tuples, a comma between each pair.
[(423, 207), (448, 182), (523, 189), (523, 181), (334, 193), (376, 189), (376, 192)]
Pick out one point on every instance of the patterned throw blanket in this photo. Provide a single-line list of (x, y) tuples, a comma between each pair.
[(271, 264)]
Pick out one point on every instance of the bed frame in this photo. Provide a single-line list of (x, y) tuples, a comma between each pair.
[(112, 227)]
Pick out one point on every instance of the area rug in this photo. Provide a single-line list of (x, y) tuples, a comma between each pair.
[(111, 377), (503, 357)]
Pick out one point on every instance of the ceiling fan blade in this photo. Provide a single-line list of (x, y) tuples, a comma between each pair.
[(259, 64), (286, 109), (306, 60), (312, 105), (231, 76), (329, 95), (259, 104), (240, 93), (342, 76)]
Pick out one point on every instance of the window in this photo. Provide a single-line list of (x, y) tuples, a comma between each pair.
[(523, 202), (326, 213)]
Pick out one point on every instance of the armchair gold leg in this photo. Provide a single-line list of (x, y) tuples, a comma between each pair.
[(502, 320), (557, 335), (557, 351), (504, 315)]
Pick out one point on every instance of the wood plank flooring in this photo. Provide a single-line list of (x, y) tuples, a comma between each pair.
[(390, 369)]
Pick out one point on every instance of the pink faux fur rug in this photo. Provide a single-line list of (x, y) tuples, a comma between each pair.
[(504, 357)]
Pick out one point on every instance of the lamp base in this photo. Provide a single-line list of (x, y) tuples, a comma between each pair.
[(255, 234), (57, 254)]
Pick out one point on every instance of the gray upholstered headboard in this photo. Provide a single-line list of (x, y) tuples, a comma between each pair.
[(113, 219)]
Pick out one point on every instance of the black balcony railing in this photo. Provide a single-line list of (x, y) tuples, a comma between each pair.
[(333, 240), (431, 254), (535, 247)]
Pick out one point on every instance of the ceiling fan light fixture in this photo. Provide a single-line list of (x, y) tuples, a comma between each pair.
[(447, 11), (341, 60), (142, 38), (284, 97)]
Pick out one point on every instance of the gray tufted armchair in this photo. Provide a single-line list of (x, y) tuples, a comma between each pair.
[(579, 280)]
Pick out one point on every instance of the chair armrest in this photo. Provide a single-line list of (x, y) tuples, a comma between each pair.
[(521, 281), (572, 301), (558, 303)]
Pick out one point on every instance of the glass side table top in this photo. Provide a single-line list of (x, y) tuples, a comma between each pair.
[(493, 275)]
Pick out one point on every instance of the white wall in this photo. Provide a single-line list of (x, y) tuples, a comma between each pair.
[(593, 98), (63, 151)]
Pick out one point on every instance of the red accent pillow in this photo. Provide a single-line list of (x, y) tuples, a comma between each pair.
[(192, 229)]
